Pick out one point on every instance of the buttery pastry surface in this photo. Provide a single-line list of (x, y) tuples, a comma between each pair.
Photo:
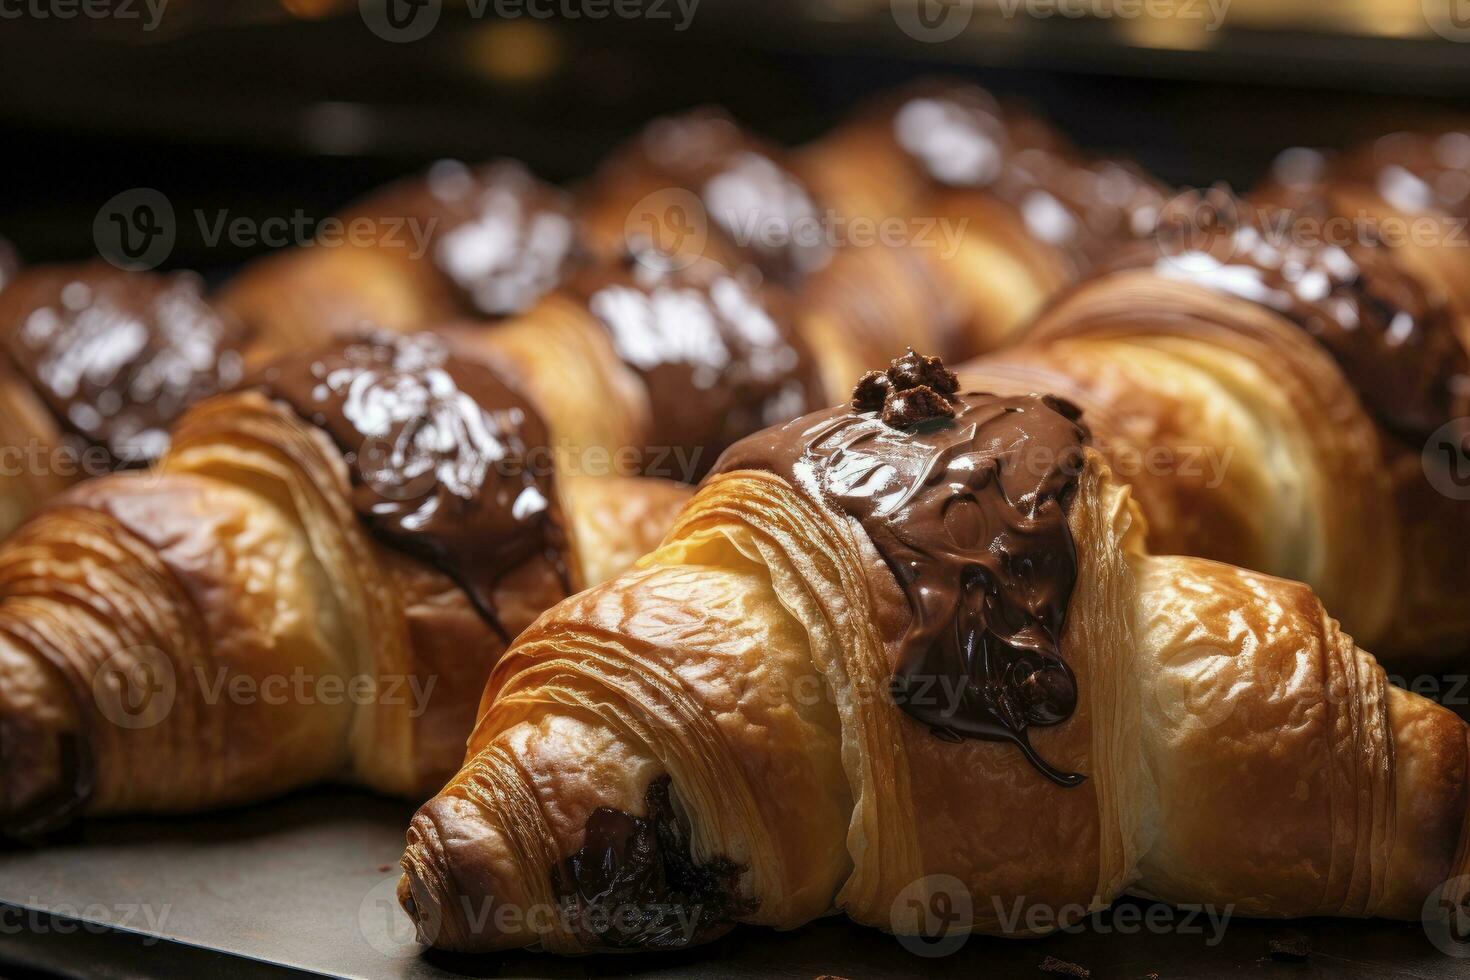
[(733, 731)]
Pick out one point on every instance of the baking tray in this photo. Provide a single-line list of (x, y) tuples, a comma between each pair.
[(305, 886)]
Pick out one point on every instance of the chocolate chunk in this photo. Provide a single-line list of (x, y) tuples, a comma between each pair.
[(921, 404), (871, 391), (915, 370), (1064, 968), (1293, 947)]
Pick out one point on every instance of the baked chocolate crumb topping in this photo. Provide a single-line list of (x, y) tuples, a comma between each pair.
[(915, 405), (871, 391)]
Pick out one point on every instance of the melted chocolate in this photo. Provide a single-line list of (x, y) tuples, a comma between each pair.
[(500, 237), (718, 352), (116, 355), (633, 884), (1415, 172), (1394, 340), (747, 190), (970, 514), (448, 463), (961, 137)]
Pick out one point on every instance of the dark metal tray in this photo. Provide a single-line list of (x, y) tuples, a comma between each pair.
[(306, 885)]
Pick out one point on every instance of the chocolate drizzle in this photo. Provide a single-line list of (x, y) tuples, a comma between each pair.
[(633, 884), (970, 514), (719, 355), (448, 463), (116, 355), (1394, 340)]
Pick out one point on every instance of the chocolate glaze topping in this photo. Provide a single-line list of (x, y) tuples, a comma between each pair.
[(1394, 340), (968, 507), (116, 355), (962, 137), (633, 884), (448, 463), (501, 237), (1415, 172), (719, 353), (747, 190)]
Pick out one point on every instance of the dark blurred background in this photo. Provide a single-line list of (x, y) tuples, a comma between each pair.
[(274, 108)]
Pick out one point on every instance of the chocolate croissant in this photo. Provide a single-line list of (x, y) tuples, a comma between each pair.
[(655, 363), (911, 650), (1270, 402), (1408, 190), (1028, 213), (312, 583), (95, 363), (458, 241)]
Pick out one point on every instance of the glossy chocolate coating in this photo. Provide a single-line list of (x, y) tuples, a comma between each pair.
[(116, 355), (1415, 172), (500, 237), (448, 463), (719, 354), (1394, 340), (633, 884), (961, 137), (970, 514), (748, 192)]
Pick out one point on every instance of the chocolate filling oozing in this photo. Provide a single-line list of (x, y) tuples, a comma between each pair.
[(448, 462), (633, 884), (967, 503), (117, 356)]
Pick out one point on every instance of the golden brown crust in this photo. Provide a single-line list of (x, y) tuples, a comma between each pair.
[(1206, 690), (1241, 437)]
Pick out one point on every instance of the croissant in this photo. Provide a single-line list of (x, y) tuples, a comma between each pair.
[(95, 362), (1029, 213), (914, 651), (1407, 189), (1274, 403), (655, 363), (311, 584), (484, 241)]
